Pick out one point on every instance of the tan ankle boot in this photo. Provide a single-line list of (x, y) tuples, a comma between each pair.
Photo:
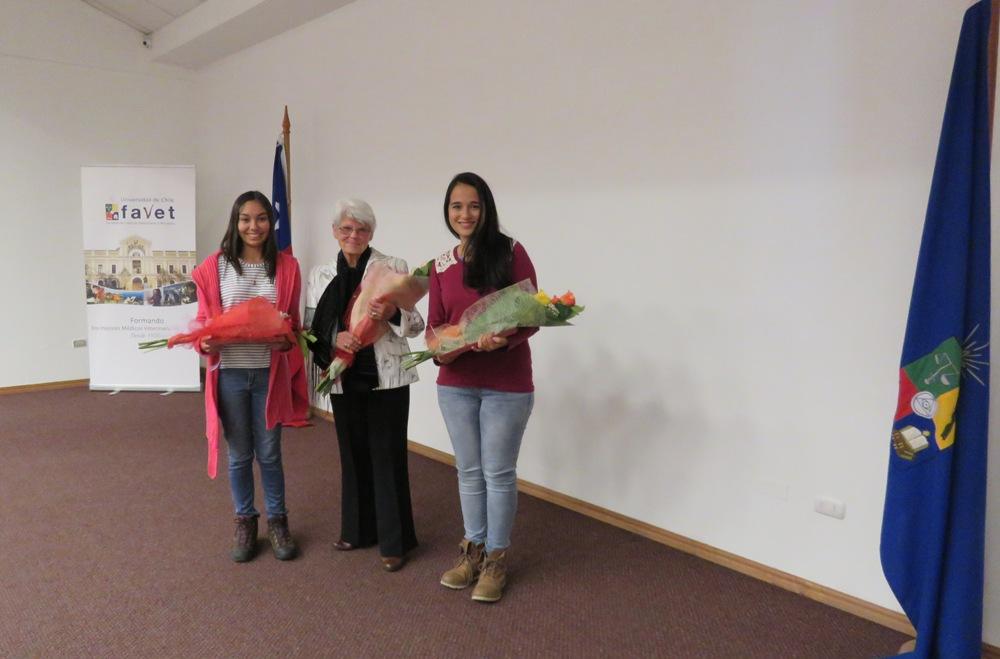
[(466, 567), (492, 577)]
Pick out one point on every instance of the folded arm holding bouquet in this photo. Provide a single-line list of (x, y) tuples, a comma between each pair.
[(383, 300), (255, 321), (485, 325)]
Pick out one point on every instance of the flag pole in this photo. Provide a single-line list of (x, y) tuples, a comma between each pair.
[(286, 130), (286, 143)]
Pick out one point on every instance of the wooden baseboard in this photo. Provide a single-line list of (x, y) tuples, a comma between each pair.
[(434, 454), (44, 386), (814, 591)]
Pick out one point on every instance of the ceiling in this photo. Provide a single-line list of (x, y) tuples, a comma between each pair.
[(146, 16), (195, 33)]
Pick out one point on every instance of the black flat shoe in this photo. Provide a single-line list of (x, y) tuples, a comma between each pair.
[(343, 545)]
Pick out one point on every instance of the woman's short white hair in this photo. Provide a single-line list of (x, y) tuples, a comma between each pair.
[(355, 209)]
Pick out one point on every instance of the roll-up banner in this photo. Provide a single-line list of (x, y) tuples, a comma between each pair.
[(138, 252)]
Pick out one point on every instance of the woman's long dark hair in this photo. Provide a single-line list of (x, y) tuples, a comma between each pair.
[(232, 244), (489, 252)]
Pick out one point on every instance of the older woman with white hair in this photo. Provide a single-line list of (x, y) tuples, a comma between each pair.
[(371, 400)]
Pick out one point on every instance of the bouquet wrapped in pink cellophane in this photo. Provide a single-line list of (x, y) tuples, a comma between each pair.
[(380, 284)]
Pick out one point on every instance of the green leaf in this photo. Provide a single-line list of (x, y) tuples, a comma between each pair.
[(424, 270)]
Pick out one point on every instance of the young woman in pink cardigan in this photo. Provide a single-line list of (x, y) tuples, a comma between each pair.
[(253, 388)]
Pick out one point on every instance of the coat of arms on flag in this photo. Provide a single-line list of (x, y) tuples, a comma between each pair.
[(928, 395)]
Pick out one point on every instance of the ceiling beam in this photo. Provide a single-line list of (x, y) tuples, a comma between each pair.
[(217, 28)]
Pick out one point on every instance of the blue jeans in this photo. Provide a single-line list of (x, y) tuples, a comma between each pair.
[(242, 404), (486, 427)]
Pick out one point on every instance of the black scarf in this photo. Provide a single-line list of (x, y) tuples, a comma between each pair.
[(363, 374)]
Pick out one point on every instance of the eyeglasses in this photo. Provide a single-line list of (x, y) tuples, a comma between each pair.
[(361, 232)]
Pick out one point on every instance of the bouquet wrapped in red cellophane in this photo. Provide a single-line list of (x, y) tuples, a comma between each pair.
[(380, 284), (253, 321)]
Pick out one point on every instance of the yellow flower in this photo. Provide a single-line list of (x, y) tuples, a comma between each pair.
[(542, 297)]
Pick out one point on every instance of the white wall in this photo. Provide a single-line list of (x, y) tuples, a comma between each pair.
[(736, 191), (76, 90)]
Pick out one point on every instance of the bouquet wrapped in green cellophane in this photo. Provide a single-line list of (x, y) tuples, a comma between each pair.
[(501, 313)]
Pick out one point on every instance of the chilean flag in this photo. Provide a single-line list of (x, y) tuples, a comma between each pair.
[(279, 199)]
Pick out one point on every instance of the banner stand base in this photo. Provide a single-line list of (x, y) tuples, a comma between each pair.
[(113, 390)]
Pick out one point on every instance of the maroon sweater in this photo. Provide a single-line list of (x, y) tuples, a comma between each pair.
[(504, 369)]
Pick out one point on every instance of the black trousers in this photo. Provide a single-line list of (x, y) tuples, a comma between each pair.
[(375, 495)]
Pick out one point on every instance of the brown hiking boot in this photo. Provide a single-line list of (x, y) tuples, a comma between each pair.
[(244, 539), (466, 567), (492, 577), (281, 540)]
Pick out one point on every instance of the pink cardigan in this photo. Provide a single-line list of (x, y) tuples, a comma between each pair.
[(287, 391)]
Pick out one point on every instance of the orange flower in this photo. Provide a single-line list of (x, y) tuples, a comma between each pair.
[(567, 298), (446, 333)]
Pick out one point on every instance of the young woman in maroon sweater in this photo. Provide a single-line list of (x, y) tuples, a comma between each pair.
[(485, 395)]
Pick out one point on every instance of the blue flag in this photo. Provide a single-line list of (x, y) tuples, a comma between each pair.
[(933, 526), (279, 198)]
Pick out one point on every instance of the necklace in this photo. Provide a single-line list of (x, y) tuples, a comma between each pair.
[(255, 267)]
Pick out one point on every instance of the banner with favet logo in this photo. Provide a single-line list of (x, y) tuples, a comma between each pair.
[(138, 254)]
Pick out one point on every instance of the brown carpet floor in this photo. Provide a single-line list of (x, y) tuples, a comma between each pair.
[(115, 544)]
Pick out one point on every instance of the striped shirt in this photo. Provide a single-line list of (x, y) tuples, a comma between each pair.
[(236, 288)]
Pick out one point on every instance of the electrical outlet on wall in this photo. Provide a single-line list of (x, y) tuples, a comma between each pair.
[(830, 506)]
